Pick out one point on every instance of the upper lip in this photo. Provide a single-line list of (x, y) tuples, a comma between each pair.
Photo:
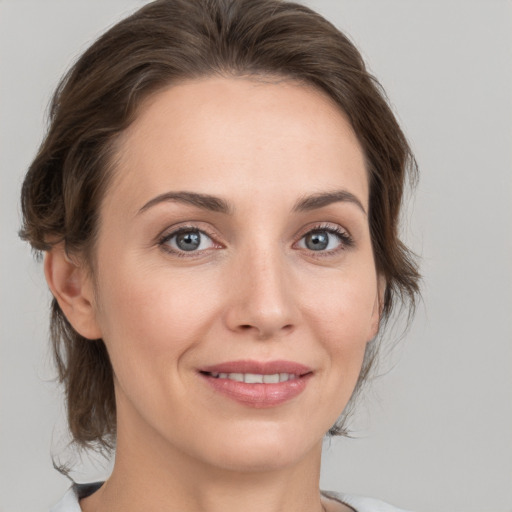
[(258, 367)]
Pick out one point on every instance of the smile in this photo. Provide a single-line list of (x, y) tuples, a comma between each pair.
[(255, 378), (258, 384)]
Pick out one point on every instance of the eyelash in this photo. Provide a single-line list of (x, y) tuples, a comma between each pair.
[(346, 241), (164, 240)]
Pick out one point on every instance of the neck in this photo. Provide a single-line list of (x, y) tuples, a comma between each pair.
[(155, 477)]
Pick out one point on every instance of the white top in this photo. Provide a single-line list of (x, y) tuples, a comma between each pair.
[(69, 503)]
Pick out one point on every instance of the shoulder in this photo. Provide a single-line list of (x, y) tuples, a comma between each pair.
[(68, 503), (70, 500), (361, 503)]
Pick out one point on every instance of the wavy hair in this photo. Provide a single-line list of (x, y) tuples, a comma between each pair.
[(168, 41)]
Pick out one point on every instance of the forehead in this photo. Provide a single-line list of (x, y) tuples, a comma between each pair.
[(236, 135)]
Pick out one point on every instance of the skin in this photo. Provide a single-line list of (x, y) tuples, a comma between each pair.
[(253, 290)]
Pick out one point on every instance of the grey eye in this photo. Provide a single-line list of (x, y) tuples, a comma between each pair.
[(189, 240), (320, 240), (317, 241)]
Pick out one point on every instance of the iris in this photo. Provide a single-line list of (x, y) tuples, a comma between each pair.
[(188, 241), (317, 240)]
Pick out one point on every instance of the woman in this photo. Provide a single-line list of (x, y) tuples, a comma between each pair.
[(217, 199)]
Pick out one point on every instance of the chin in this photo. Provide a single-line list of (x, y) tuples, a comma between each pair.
[(267, 450), (251, 461)]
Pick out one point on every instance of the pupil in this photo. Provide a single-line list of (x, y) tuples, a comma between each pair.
[(317, 241), (188, 241)]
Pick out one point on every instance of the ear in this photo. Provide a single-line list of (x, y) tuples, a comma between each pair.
[(71, 286), (378, 306)]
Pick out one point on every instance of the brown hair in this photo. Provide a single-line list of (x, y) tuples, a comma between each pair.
[(171, 40)]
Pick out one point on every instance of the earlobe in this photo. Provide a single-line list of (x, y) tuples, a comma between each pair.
[(71, 286)]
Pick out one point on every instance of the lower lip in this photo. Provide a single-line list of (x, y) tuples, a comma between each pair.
[(259, 395)]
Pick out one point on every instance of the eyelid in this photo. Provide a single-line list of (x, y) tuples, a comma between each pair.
[(346, 240), (175, 230)]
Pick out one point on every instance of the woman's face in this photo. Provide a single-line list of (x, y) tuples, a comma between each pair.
[(234, 245)]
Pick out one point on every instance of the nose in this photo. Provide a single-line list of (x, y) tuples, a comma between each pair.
[(261, 298)]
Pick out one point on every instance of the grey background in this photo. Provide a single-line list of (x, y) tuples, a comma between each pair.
[(435, 433)]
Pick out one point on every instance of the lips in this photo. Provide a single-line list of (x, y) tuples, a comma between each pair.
[(258, 384), (257, 367)]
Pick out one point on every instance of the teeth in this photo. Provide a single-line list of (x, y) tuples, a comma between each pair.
[(255, 378), (252, 378)]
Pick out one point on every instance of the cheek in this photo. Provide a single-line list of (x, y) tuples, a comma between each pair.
[(152, 322), (343, 307), (342, 317), (151, 318)]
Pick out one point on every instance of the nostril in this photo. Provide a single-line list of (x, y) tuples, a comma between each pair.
[(263, 333)]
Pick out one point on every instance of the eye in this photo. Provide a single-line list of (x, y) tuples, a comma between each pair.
[(325, 239), (187, 240)]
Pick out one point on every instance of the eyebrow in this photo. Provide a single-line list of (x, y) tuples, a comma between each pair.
[(204, 201), (322, 199), (219, 205)]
